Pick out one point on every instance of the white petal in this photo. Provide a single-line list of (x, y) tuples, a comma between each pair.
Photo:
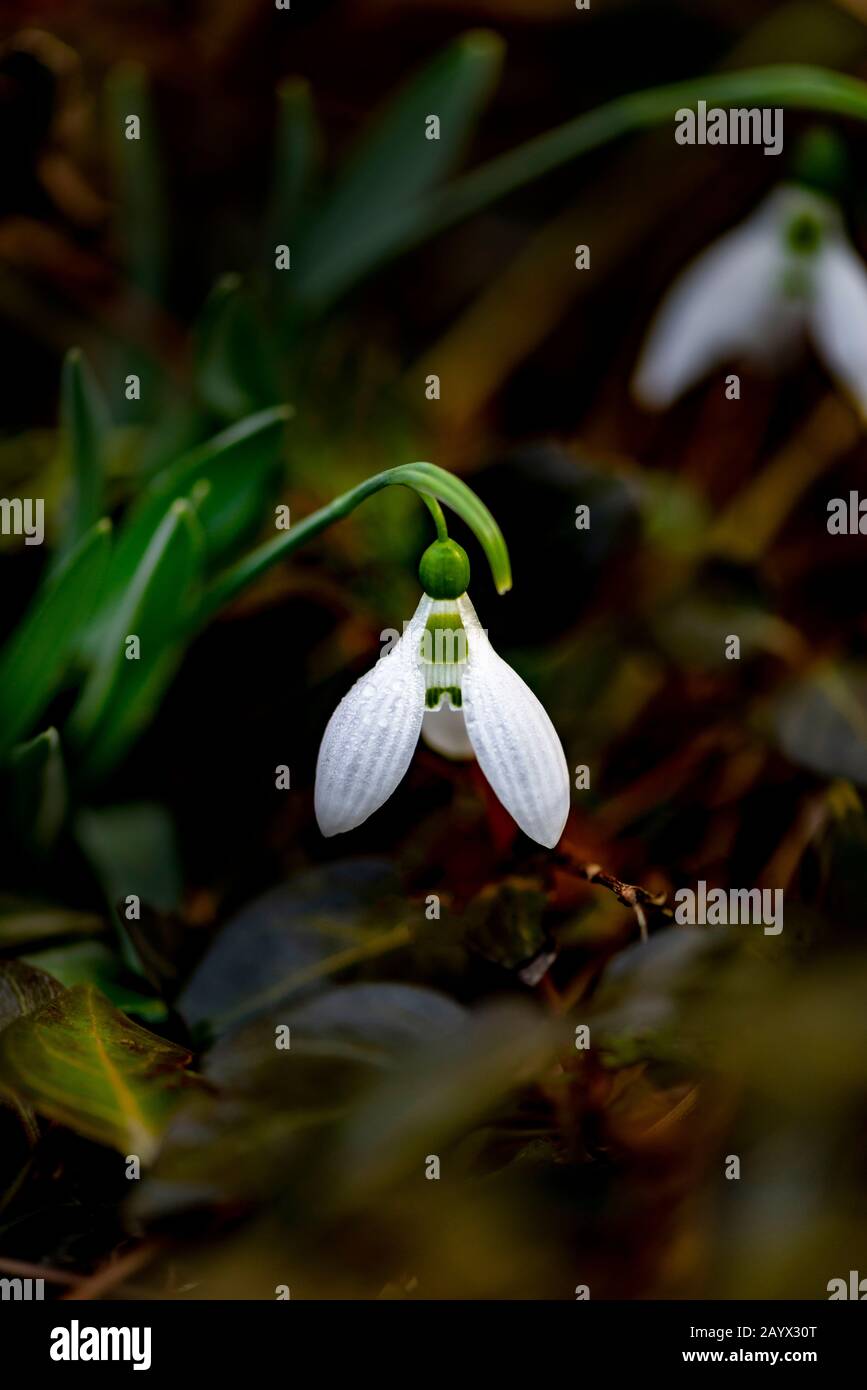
[(445, 731), (839, 317), (371, 736), (725, 305), (513, 738)]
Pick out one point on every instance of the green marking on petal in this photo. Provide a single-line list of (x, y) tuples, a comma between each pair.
[(444, 641), (804, 234), (443, 651), (445, 622), (437, 693)]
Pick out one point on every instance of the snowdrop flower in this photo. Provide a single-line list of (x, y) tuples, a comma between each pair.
[(787, 272), (443, 675)]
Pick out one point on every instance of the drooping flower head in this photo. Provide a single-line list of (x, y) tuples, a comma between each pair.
[(788, 273), (442, 678)]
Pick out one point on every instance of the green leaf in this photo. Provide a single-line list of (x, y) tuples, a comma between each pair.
[(248, 448), (441, 1092), (84, 421), (423, 478), (394, 165), (141, 236), (236, 360), (235, 463), (129, 708), (37, 798), (180, 428), (796, 86), (338, 1039), (23, 990), (37, 657), (291, 941), (120, 694), (373, 1024), (141, 211), (24, 922), (133, 849), (842, 853), (793, 86), (94, 963), (242, 1142), (693, 628), (637, 1012), (820, 722), (504, 921), (296, 157), (80, 1062)]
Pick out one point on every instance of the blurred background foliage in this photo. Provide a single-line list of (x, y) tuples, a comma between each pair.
[(413, 1037)]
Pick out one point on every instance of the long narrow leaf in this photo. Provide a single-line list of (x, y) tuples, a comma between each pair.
[(236, 462), (36, 659), (396, 164), (37, 797), (120, 693), (236, 361), (296, 157), (84, 423), (141, 207), (791, 86)]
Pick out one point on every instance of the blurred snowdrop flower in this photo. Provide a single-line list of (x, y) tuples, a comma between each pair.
[(786, 273), (444, 680)]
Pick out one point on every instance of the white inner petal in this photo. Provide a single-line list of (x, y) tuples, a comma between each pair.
[(445, 731)]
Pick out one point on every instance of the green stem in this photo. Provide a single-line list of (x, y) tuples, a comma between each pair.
[(786, 85), (432, 484), (436, 512), (251, 567)]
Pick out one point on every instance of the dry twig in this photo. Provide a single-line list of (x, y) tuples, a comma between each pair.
[(644, 904)]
